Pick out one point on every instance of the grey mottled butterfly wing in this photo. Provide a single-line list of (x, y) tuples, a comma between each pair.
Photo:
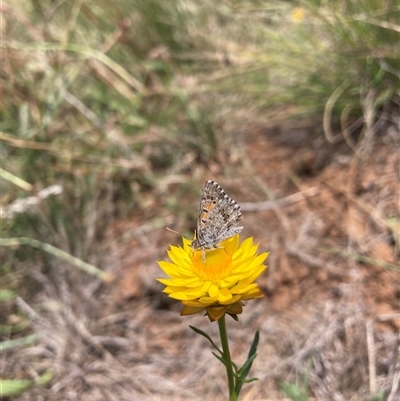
[(218, 216)]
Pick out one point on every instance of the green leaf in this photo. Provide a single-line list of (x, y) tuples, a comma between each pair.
[(251, 356), (218, 357), (254, 345), (223, 362), (6, 294), (19, 342), (253, 379), (379, 396), (235, 368), (46, 377), (15, 387), (205, 335), (295, 392), (245, 369)]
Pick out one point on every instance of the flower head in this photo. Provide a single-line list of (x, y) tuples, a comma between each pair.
[(215, 281)]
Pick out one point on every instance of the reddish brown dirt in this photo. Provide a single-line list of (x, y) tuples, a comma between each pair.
[(349, 214)]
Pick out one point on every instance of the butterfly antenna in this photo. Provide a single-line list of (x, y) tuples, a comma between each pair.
[(177, 232)]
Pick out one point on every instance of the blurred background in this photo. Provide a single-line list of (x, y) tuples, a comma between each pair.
[(113, 115)]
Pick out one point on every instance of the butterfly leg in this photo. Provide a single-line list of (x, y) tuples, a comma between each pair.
[(203, 255)]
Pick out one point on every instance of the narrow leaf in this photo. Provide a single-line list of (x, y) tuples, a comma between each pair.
[(235, 368), (218, 357), (253, 379), (205, 335), (253, 349), (254, 345), (244, 370)]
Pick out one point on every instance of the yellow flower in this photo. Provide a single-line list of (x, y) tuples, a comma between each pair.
[(298, 14), (215, 281)]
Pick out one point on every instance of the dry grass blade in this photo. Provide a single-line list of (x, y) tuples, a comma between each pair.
[(272, 204), (371, 356)]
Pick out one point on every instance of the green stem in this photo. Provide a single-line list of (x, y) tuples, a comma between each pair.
[(227, 358)]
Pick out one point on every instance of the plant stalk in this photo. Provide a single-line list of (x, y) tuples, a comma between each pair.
[(227, 359)]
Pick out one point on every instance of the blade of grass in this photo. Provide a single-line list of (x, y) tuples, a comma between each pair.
[(87, 267)]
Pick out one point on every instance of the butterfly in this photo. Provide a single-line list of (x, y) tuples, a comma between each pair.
[(218, 215)]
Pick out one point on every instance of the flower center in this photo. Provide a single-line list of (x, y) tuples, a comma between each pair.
[(216, 265)]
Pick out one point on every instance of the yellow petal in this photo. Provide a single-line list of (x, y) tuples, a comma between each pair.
[(181, 282), (249, 264), (208, 300), (241, 288), (186, 244), (170, 290), (256, 273), (168, 268), (252, 294), (224, 295), (249, 250), (174, 270), (234, 299), (247, 243), (190, 283), (213, 291), (206, 286), (229, 281), (244, 248), (230, 244), (187, 294), (165, 281), (178, 256)]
